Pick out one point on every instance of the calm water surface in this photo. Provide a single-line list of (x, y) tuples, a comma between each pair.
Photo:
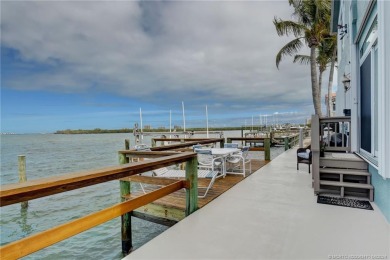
[(53, 155)]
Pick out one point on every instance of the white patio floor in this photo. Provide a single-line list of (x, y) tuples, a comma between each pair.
[(273, 214)]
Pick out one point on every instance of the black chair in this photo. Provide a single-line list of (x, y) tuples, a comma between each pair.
[(306, 159)]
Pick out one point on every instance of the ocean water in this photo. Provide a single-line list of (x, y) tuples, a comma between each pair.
[(53, 155)]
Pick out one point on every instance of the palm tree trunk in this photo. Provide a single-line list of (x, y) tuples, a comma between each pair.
[(330, 83), (316, 91), (320, 83)]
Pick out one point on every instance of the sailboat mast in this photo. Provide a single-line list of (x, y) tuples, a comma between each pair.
[(140, 117), (207, 123), (170, 121), (184, 118)]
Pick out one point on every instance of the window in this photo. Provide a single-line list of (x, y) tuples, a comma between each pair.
[(370, 38)]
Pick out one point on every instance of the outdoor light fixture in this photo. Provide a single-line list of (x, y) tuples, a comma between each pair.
[(346, 82), (347, 85), (343, 30)]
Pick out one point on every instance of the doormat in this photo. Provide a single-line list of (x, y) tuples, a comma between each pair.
[(345, 202)]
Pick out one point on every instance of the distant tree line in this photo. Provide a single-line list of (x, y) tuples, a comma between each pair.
[(94, 131), (130, 130)]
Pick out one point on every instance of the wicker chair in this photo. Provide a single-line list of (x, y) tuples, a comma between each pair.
[(304, 156)]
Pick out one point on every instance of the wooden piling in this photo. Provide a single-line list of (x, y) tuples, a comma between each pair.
[(22, 176), (127, 240), (242, 135), (127, 144), (267, 149), (192, 187), (300, 137), (286, 143), (222, 143)]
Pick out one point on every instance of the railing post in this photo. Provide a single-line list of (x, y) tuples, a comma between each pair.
[(286, 143), (242, 135), (222, 143), (315, 149), (153, 142), (127, 144), (127, 240), (22, 176), (300, 137), (192, 187), (267, 149)]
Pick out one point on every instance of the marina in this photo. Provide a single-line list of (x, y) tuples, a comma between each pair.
[(172, 202), (195, 130)]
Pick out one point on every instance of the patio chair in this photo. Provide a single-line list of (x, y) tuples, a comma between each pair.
[(167, 173), (141, 147), (197, 146), (209, 162), (230, 145), (238, 161), (304, 156)]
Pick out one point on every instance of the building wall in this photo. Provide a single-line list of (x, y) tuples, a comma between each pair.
[(344, 60), (381, 192), (353, 13)]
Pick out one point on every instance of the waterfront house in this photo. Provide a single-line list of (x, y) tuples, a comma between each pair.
[(363, 36)]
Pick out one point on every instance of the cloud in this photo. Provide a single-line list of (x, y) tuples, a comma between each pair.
[(202, 52)]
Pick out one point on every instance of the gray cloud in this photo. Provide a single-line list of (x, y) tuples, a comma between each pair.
[(220, 53)]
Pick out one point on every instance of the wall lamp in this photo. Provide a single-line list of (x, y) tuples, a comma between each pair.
[(343, 30), (346, 82)]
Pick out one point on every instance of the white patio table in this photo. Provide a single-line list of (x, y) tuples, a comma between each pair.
[(224, 153)]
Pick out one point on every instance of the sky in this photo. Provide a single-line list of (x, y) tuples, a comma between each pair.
[(94, 64)]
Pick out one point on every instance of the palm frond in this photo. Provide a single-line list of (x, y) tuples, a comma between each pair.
[(302, 59), (289, 49), (288, 27)]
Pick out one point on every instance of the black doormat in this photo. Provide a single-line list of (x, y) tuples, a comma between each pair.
[(345, 202)]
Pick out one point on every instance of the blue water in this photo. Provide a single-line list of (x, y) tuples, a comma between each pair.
[(52, 155)]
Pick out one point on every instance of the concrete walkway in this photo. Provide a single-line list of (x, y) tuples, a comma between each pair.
[(273, 214)]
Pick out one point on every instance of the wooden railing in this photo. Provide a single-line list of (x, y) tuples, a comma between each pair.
[(289, 141), (15, 193), (324, 134), (334, 133), (184, 142), (266, 144)]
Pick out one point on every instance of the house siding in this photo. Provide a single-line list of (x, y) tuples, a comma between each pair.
[(381, 192)]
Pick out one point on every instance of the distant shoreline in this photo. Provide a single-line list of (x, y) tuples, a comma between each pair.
[(130, 130)]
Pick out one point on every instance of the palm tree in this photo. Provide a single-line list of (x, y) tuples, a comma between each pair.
[(326, 55), (311, 27), (331, 53)]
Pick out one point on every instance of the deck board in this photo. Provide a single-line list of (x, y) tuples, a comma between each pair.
[(221, 185)]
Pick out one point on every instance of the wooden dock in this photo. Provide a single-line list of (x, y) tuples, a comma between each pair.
[(171, 208)]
